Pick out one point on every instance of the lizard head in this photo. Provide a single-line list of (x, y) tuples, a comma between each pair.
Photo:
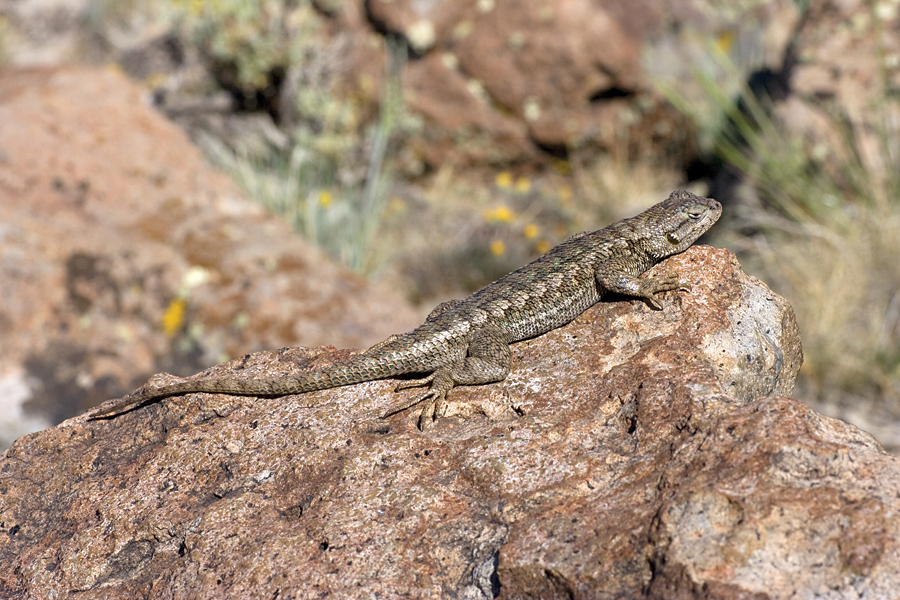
[(676, 223)]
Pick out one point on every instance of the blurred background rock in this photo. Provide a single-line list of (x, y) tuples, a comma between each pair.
[(429, 147)]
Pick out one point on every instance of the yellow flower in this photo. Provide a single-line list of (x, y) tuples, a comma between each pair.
[(542, 246), (725, 41), (396, 204), (562, 166), (155, 80), (523, 185), (498, 247), (503, 180), (565, 193), (531, 231), (173, 318), (325, 198), (501, 214)]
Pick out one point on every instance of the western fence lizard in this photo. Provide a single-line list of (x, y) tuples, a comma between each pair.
[(466, 342)]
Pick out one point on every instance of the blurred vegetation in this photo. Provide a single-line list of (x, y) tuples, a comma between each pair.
[(4, 39), (333, 178), (330, 176), (328, 164), (253, 43), (821, 224), (311, 183)]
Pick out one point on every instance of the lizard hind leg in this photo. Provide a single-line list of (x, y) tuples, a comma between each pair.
[(488, 359)]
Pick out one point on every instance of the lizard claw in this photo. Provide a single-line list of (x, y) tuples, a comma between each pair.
[(436, 395), (657, 285), (408, 404), (432, 411)]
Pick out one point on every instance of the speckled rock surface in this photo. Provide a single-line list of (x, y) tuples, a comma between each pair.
[(628, 455)]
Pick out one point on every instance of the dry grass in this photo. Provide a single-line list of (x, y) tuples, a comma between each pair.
[(335, 199), (843, 284)]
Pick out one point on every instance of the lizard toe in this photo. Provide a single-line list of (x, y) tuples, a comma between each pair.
[(426, 417), (405, 385), (410, 402)]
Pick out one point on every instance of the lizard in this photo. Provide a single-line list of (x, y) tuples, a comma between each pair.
[(467, 342)]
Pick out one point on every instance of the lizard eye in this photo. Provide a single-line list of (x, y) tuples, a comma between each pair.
[(695, 212)]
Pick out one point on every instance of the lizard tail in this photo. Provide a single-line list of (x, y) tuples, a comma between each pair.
[(356, 370)]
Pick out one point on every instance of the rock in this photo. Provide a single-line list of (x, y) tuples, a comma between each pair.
[(500, 80), (462, 124), (628, 455), (122, 253), (503, 81), (845, 62)]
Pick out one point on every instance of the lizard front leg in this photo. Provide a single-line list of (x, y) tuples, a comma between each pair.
[(641, 287), (487, 360)]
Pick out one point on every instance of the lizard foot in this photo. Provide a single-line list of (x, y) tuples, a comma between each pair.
[(435, 396), (656, 285)]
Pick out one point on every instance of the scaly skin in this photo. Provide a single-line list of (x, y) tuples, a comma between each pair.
[(466, 342)]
